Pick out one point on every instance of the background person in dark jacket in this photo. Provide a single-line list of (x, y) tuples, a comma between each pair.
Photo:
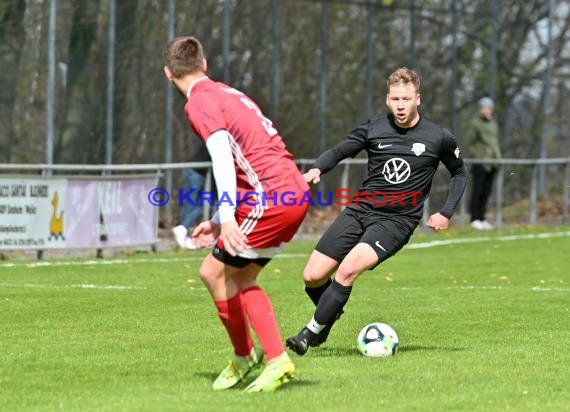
[(481, 141)]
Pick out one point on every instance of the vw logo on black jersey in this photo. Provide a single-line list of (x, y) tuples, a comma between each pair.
[(396, 170)]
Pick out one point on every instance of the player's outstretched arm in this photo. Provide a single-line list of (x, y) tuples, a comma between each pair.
[(350, 146), (451, 158)]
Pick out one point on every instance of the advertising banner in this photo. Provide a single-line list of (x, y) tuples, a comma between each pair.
[(111, 212), (31, 213), (45, 213)]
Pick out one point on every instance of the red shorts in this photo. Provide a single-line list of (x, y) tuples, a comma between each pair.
[(270, 226)]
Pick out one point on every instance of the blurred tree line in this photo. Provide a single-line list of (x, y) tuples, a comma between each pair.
[(140, 87)]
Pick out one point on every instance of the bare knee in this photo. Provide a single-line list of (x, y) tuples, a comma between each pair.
[(208, 278), (347, 273), (313, 277), (318, 270), (212, 277)]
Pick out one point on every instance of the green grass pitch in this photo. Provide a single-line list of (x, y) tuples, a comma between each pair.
[(484, 324)]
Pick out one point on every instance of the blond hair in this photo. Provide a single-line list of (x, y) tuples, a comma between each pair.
[(406, 76), (184, 55)]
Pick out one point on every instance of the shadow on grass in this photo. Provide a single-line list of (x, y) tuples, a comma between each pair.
[(338, 351), (419, 348), (210, 377)]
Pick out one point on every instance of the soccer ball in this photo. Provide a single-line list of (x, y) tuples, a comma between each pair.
[(377, 340)]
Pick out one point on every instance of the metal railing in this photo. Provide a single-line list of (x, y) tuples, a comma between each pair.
[(345, 167), (534, 164)]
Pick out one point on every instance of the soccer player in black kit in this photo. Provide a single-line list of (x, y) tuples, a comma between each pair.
[(404, 150)]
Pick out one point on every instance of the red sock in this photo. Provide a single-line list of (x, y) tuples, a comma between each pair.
[(260, 312), (232, 314)]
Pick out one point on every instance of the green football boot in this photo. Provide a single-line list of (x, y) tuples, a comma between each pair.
[(277, 372), (237, 370)]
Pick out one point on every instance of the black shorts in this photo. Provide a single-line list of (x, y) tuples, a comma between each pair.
[(386, 235), (237, 261)]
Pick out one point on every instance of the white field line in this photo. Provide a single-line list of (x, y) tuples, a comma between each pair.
[(92, 262), (506, 238), (111, 287), (463, 287), (421, 245), (78, 286), (125, 287)]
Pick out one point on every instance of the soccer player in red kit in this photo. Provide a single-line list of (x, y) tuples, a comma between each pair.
[(252, 169)]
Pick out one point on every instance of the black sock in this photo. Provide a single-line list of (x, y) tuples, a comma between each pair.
[(315, 293), (331, 303)]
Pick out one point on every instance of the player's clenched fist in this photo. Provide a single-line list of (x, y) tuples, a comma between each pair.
[(313, 175)]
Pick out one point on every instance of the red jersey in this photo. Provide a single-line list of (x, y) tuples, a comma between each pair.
[(261, 159)]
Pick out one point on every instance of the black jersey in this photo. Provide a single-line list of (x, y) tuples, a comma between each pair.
[(401, 165)]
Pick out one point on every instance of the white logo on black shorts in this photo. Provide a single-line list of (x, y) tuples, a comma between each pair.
[(380, 246), (396, 170)]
